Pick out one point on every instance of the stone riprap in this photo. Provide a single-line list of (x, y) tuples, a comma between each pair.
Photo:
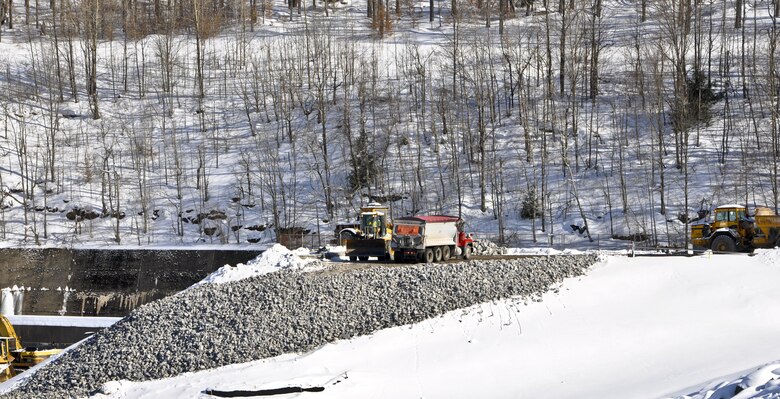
[(287, 311), (488, 248)]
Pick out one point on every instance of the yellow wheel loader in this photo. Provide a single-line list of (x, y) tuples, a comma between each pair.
[(13, 357), (734, 229), (372, 237)]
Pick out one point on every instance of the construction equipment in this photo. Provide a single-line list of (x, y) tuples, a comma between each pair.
[(14, 358), (734, 229), (431, 238), (372, 237)]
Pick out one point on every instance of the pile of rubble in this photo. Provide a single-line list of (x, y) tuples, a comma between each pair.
[(488, 248), (213, 325)]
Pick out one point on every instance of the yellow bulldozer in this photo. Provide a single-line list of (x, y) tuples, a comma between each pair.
[(734, 229), (14, 358), (372, 236)]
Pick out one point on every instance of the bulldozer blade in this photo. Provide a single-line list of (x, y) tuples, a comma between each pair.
[(366, 247)]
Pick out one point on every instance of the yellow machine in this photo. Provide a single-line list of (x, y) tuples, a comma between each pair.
[(733, 229), (372, 237), (13, 357)]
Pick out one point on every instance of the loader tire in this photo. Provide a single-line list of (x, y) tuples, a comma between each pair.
[(429, 256), (724, 243)]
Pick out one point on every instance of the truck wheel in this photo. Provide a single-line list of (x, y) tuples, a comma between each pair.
[(437, 254), (363, 258), (724, 243), (467, 252), (353, 258), (445, 253), (428, 255)]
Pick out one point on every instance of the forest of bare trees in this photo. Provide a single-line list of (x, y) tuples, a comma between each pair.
[(223, 120)]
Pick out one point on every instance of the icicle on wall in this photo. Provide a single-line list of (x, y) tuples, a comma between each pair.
[(12, 301), (7, 302), (65, 296), (18, 300)]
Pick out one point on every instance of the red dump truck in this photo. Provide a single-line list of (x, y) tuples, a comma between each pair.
[(430, 238)]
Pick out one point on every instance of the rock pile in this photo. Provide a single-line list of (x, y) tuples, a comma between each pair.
[(488, 248), (288, 311)]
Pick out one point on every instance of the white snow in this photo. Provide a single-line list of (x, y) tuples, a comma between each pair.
[(273, 259), (541, 251), (644, 327), (6, 302), (64, 321), (768, 256), (730, 206)]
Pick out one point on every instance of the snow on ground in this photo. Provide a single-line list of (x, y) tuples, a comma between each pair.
[(756, 383), (63, 321), (633, 328), (273, 259), (768, 256), (542, 251)]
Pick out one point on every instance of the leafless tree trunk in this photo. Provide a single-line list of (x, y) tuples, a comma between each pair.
[(738, 17)]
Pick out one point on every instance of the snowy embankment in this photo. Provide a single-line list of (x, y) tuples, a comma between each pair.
[(271, 314)]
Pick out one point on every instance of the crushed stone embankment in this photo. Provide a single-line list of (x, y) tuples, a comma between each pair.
[(214, 325)]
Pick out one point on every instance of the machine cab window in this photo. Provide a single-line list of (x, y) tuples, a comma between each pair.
[(727, 216), (373, 225)]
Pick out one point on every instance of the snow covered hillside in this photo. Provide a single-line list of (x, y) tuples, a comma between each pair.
[(234, 122)]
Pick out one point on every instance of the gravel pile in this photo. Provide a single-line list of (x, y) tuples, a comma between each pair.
[(488, 248), (287, 311)]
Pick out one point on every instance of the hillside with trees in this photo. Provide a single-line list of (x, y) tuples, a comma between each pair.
[(228, 121)]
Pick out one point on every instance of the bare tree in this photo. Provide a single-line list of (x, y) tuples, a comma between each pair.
[(91, 27)]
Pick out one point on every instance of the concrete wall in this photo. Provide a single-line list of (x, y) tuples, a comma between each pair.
[(105, 282)]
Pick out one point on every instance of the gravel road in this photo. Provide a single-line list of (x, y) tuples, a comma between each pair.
[(287, 311)]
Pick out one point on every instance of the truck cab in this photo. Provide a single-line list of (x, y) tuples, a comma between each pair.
[(728, 217)]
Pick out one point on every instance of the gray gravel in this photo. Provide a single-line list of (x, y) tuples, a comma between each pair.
[(488, 248), (215, 325)]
